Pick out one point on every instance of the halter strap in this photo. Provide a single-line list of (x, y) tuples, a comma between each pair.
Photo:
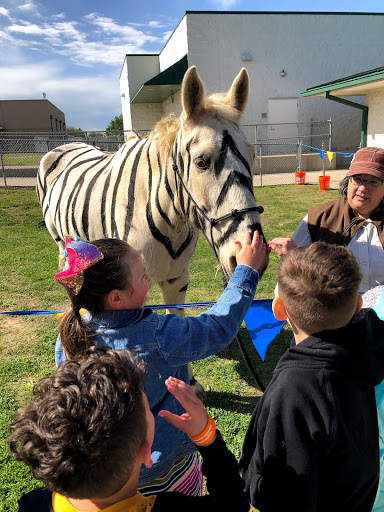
[(213, 221)]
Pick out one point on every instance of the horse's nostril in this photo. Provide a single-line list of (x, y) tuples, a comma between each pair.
[(232, 262)]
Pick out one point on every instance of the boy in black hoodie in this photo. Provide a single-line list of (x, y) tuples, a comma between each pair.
[(312, 443)]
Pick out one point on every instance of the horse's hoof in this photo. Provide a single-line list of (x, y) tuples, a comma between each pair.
[(198, 390)]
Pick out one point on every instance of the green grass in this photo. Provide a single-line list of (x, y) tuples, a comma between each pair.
[(28, 262), (11, 159)]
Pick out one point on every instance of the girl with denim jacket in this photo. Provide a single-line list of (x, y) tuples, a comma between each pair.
[(108, 279)]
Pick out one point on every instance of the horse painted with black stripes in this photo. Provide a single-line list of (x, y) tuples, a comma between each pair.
[(192, 172)]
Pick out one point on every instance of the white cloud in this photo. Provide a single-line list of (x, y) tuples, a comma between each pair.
[(156, 24), (96, 52), (108, 26), (4, 12), (225, 4), (104, 42), (27, 28), (27, 7), (57, 30), (166, 36)]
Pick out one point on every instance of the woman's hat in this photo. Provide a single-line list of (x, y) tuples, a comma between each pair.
[(368, 161)]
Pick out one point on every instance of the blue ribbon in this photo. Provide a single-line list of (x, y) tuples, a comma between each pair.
[(321, 152), (259, 320)]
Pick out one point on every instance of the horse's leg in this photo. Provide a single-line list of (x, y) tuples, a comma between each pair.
[(174, 292)]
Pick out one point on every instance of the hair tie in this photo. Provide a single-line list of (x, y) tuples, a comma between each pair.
[(206, 436), (75, 309), (77, 257)]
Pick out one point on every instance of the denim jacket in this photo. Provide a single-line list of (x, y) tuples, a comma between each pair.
[(167, 344)]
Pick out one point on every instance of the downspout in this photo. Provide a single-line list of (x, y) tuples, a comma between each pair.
[(364, 119)]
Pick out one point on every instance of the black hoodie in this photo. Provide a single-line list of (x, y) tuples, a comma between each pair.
[(312, 442)]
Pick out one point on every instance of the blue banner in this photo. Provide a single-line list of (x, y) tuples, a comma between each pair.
[(259, 320)]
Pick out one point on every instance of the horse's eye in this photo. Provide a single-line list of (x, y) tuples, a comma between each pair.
[(202, 163)]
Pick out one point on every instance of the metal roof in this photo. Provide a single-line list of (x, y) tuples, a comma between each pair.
[(163, 85), (353, 85)]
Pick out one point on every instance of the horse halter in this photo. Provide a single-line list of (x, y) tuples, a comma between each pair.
[(213, 221)]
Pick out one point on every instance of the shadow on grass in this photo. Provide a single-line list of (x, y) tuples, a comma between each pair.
[(264, 369), (232, 402)]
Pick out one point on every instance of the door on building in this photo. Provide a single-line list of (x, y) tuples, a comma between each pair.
[(283, 116)]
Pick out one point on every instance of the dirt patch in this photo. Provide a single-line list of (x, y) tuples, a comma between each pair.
[(15, 336)]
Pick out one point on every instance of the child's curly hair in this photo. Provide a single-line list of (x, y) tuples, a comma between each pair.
[(82, 434)]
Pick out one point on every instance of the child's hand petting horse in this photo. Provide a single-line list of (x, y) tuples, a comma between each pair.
[(252, 253)]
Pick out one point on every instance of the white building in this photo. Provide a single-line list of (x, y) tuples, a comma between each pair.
[(285, 53), (369, 84)]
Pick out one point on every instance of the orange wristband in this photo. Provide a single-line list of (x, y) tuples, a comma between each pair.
[(206, 435)]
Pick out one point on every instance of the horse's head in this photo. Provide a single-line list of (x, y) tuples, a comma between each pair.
[(213, 163)]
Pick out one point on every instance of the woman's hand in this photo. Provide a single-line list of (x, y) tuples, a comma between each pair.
[(281, 245)]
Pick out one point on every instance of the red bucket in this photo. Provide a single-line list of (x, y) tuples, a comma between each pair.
[(299, 178), (324, 182)]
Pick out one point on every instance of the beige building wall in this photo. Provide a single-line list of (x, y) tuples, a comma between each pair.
[(144, 115), (137, 69), (375, 132), (312, 48), (172, 105), (30, 115)]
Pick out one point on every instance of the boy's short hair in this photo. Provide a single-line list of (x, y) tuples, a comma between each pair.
[(83, 433), (318, 285)]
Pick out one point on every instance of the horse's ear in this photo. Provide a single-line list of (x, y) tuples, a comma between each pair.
[(192, 93), (237, 95)]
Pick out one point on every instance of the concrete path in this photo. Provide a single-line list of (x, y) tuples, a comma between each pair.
[(311, 177)]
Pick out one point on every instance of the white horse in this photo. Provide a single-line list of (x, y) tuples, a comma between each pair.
[(192, 172)]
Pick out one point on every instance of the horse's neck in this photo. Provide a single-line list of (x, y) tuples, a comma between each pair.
[(167, 198)]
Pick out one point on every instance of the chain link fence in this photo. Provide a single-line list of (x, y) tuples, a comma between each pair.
[(284, 148), (280, 151), (21, 152)]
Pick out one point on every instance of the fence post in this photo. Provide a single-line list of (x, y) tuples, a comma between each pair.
[(261, 170), (298, 159), (300, 153), (330, 134), (323, 159), (2, 165)]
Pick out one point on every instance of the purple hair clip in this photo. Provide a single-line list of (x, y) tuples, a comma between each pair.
[(78, 256)]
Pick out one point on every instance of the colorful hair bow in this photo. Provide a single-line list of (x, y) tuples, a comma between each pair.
[(77, 256)]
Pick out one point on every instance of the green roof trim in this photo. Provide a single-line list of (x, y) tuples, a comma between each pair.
[(348, 81), (172, 75), (162, 86)]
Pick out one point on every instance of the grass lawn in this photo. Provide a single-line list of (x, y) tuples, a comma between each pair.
[(28, 262), (11, 159)]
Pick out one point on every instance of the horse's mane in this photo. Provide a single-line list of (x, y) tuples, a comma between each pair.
[(165, 130)]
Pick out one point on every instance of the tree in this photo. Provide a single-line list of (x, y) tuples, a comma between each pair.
[(116, 124)]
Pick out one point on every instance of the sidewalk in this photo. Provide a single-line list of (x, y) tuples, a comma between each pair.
[(311, 178)]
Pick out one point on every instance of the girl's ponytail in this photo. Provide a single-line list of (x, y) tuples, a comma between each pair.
[(74, 334)]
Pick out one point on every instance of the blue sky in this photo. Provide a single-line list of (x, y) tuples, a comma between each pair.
[(73, 51)]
